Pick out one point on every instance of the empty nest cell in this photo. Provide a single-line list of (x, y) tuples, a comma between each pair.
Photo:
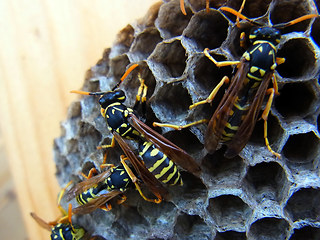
[(174, 23), (304, 205), (306, 233), (207, 30), (229, 212), (268, 181), (189, 227), (171, 56), (301, 149), (269, 229), (295, 100), (299, 59), (285, 11), (252, 9), (230, 235), (172, 101)]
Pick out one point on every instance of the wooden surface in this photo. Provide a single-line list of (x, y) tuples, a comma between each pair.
[(46, 48)]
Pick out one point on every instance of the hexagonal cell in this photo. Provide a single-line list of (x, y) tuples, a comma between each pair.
[(193, 188), (185, 140), (269, 229), (118, 66), (172, 102), (252, 8), (295, 99), (301, 149), (145, 43), (229, 212), (300, 59), (306, 233), (207, 30), (190, 227), (230, 235), (304, 205), (171, 56), (275, 132), (132, 83), (315, 31), (208, 75), (268, 181), (224, 170), (174, 23), (285, 11)]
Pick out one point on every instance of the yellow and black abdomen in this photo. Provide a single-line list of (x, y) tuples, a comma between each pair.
[(64, 231), (159, 164)]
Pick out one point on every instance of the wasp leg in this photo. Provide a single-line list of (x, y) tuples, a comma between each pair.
[(275, 85), (141, 96), (134, 179), (219, 64), (122, 199), (106, 208), (209, 99), (179, 127), (240, 10), (111, 145), (264, 116)]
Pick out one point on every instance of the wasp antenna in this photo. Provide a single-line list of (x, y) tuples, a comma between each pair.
[(87, 93), (207, 5), (239, 15), (130, 69), (297, 20), (183, 10)]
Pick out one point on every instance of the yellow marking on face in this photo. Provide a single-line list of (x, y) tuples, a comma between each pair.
[(121, 98), (260, 49), (126, 179), (164, 170), (171, 175), (122, 172), (251, 36), (157, 163), (113, 111), (61, 233)]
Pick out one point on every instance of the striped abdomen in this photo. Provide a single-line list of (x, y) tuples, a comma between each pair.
[(159, 164)]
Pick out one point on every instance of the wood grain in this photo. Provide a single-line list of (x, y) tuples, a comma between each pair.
[(46, 48)]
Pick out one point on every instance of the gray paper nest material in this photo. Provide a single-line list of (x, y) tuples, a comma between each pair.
[(252, 196)]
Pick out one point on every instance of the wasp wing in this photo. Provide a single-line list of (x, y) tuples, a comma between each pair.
[(153, 184), (220, 117), (176, 154), (41, 222), (96, 203), (244, 132), (86, 184)]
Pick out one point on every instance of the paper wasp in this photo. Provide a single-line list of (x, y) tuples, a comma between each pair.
[(124, 124), (234, 119), (97, 191), (63, 229)]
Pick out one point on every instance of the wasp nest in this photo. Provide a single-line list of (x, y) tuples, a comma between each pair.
[(251, 196)]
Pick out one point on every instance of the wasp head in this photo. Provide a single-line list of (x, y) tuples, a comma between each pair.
[(265, 33), (112, 97)]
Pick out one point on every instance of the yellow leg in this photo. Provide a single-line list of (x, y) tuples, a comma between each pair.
[(207, 5), (179, 127), (106, 208), (111, 145), (141, 96), (122, 200), (219, 64), (275, 85), (240, 10), (134, 179), (265, 114), (209, 99)]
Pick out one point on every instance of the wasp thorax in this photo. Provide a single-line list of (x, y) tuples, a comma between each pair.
[(265, 33), (112, 97)]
